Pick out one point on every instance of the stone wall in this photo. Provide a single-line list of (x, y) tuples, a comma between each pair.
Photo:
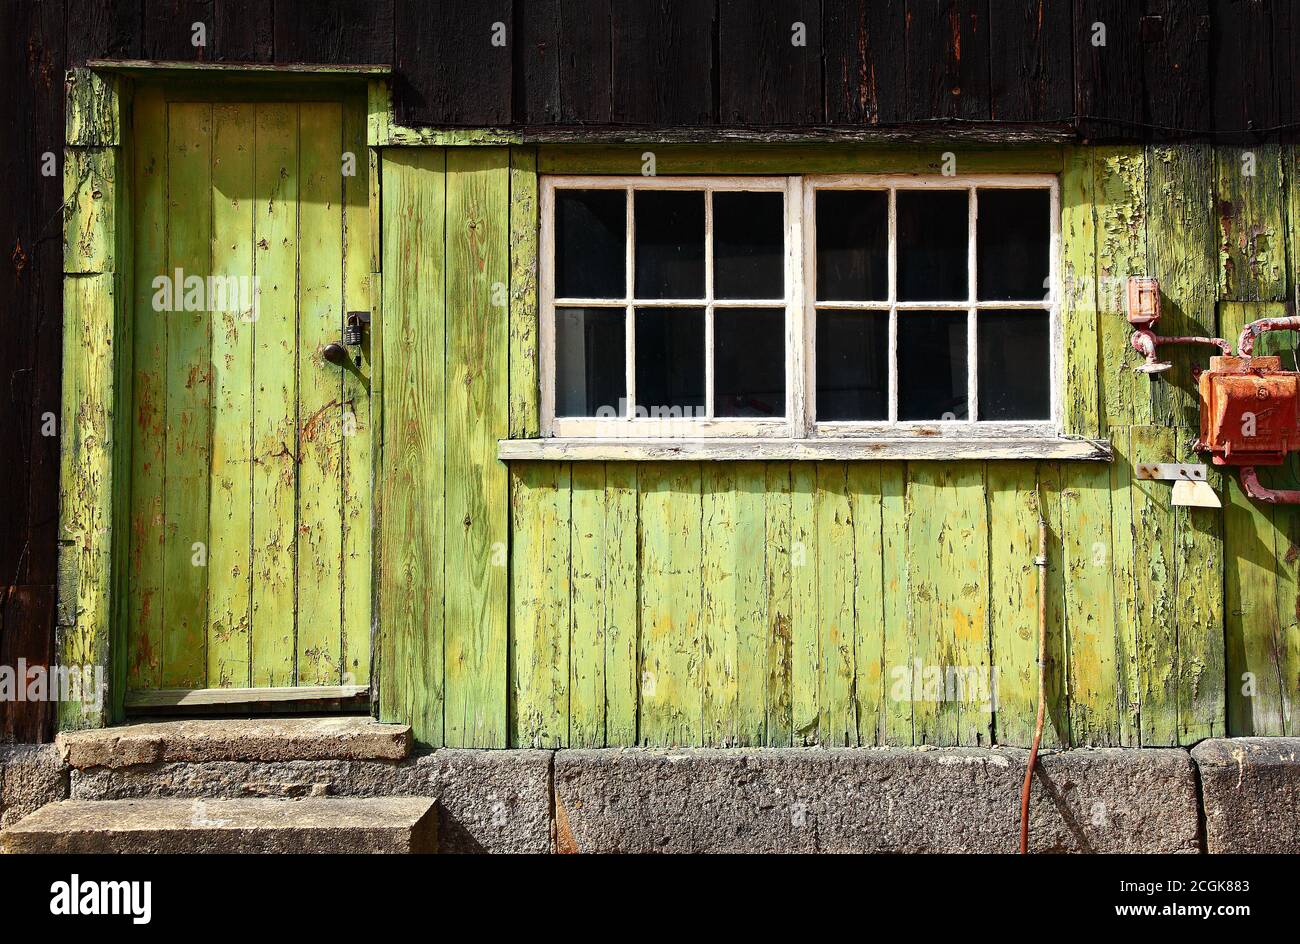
[(1236, 795)]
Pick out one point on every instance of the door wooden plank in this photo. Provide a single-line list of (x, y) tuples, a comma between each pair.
[(1057, 731), (805, 656), (1252, 233), (1013, 501), (1079, 293), (149, 395), (1125, 595), (87, 449), (1120, 191), (1155, 570), (869, 688), (1088, 556), (541, 539), (319, 537), (229, 518), (948, 603), (1013, 596), (1198, 605), (586, 636), (358, 414), (275, 394), (719, 689), (733, 627), (751, 603), (524, 395), (671, 599), (776, 535), (189, 376), (895, 589), (477, 513), (1181, 254), (837, 724), (410, 594), (1254, 577), (622, 615)]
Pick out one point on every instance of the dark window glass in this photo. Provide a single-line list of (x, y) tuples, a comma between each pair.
[(1014, 372), (1012, 244), (669, 244), (669, 361), (749, 362), (590, 362), (748, 245), (852, 245), (933, 237), (590, 243), (932, 365), (852, 365)]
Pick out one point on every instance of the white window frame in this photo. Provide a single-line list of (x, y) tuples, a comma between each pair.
[(631, 425), (968, 428), (800, 423)]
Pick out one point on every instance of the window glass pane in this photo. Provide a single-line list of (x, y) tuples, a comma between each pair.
[(852, 245), (852, 365), (1012, 244), (669, 362), (590, 362), (590, 243), (749, 362), (933, 236), (1013, 366), (669, 244), (748, 244), (932, 365)]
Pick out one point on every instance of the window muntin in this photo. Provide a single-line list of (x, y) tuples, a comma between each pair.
[(800, 307)]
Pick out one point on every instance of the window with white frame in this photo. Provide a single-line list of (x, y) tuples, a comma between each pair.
[(804, 307)]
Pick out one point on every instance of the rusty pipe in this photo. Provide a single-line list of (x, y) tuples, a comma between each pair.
[(1274, 496), (1246, 343), (1041, 563), (1146, 342)]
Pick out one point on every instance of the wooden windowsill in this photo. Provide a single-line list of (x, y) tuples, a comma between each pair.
[(938, 448)]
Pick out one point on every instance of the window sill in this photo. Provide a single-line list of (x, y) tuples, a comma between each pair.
[(880, 449)]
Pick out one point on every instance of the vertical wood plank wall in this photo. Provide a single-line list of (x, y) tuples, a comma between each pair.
[(838, 603)]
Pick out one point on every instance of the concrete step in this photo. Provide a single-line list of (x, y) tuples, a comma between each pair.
[(334, 824), (236, 739)]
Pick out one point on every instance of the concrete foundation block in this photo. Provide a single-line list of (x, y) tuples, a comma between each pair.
[(30, 776), (392, 825), (1250, 788), (493, 801), (246, 739), (872, 800), (488, 801)]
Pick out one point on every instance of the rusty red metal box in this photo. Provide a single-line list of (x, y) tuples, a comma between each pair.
[(1249, 411)]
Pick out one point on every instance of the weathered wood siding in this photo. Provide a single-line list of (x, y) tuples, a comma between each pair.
[(777, 603), (1169, 68), (444, 496)]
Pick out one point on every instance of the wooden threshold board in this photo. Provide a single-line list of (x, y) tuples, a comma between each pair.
[(204, 697)]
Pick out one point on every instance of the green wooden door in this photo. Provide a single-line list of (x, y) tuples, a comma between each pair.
[(250, 502)]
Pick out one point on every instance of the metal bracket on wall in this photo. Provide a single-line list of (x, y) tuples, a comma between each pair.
[(1171, 471), (1190, 487)]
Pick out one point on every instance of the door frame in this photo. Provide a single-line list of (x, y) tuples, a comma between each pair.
[(95, 423)]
